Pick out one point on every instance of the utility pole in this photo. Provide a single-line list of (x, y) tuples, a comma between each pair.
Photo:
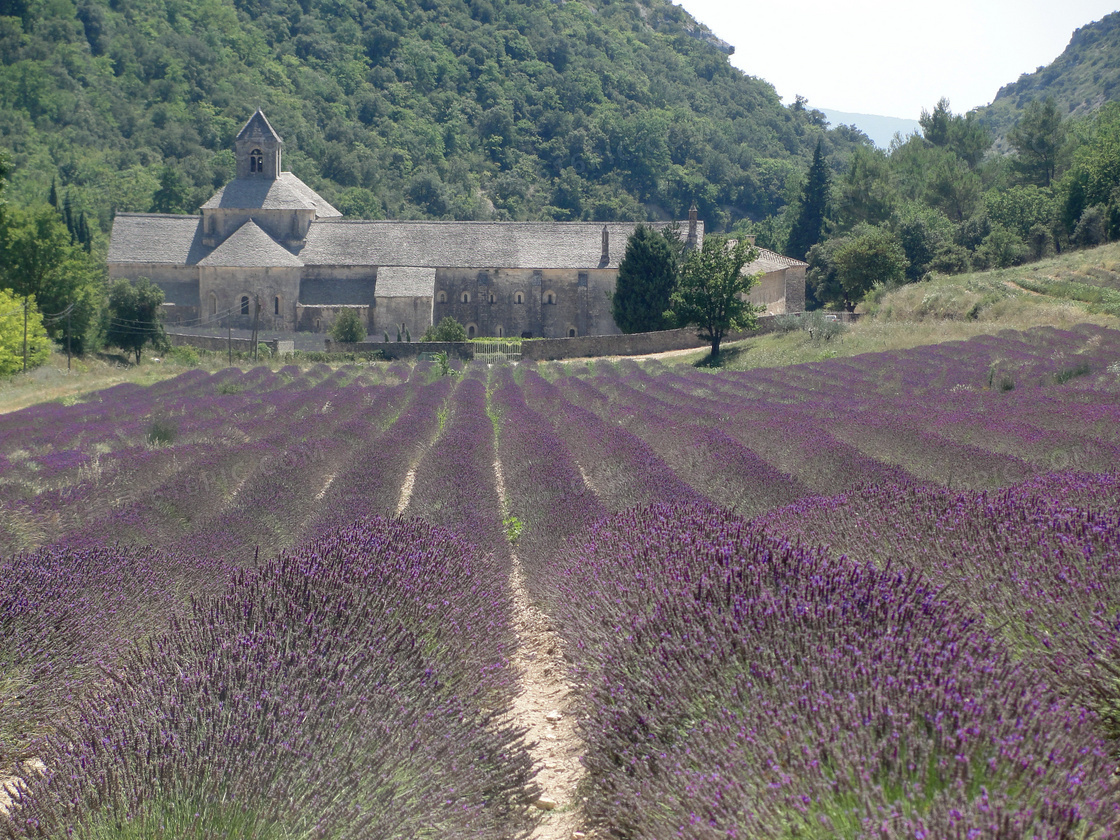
[(68, 311), (25, 301), (229, 340), (256, 322)]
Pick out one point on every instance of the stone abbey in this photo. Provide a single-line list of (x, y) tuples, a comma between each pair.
[(268, 236)]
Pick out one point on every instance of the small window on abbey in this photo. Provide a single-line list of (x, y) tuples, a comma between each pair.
[(244, 305), (550, 298), (441, 297), (256, 161), (493, 299), (572, 332), (465, 297), (519, 298), (276, 305), (470, 331)]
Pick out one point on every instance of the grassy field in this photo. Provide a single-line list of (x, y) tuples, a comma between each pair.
[(1082, 287)]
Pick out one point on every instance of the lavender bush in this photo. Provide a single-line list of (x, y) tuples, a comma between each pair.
[(334, 693), (744, 687)]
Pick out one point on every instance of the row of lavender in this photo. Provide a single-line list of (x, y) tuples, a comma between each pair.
[(358, 687), (352, 689)]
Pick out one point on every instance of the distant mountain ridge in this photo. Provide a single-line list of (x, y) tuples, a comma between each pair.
[(880, 129), (1085, 76)]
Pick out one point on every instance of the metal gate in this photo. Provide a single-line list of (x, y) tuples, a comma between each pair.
[(497, 352)]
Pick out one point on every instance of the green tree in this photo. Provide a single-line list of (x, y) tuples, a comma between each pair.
[(822, 285), (11, 334), (173, 195), (866, 192), (448, 329), (874, 256), (712, 292), (1039, 139), (962, 135), (809, 225), (38, 259), (646, 278), (348, 327), (133, 318)]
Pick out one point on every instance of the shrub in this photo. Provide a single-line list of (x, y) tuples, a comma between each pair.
[(347, 327), (447, 329)]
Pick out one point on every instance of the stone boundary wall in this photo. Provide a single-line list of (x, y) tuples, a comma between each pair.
[(538, 349), (240, 345)]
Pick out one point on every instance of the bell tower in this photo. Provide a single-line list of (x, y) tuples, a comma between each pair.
[(258, 149)]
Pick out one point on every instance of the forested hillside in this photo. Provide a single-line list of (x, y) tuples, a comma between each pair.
[(508, 109), (1085, 76)]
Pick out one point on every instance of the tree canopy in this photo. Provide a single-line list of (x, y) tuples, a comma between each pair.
[(12, 334), (812, 210), (134, 319), (647, 275), (448, 329), (712, 292), (348, 327)]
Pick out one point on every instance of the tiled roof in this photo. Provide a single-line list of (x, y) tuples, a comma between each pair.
[(535, 245), (285, 193), (258, 126), (398, 281), (155, 238), (251, 247), (771, 261)]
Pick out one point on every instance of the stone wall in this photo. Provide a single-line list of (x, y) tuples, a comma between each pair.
[(555, 349), (509, 303), (217, 344)]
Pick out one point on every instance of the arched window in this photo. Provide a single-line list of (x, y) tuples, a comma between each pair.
[(465, 297), (441, 297), (550, 297), (500, 332), (213, 304), (276, 305), (493, 299), (256, 161), (470, 331), (571, 332), (519, 298), (244, 304)]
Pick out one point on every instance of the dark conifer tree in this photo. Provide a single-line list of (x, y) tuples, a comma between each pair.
[(808, 227), (646, 277)]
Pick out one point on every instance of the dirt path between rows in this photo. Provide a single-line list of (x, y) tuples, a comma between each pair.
[(545, 707)]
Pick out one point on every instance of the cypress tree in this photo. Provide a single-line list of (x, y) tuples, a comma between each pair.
[(808, 228), (646, 277)]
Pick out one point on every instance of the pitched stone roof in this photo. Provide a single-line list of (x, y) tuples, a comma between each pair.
[(769, 261), (399, 281), (156, 238), (258, 126), (534, 245), (287, 192), (251, 247)]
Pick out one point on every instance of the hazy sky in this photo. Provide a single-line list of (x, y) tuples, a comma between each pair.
[(894, 58)]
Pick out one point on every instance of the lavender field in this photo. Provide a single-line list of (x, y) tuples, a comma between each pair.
[(872, 597)]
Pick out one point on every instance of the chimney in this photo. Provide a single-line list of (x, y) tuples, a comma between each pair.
[(690, 243), (605, 257)]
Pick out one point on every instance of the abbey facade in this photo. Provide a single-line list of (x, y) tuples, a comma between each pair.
[(268, 239)]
